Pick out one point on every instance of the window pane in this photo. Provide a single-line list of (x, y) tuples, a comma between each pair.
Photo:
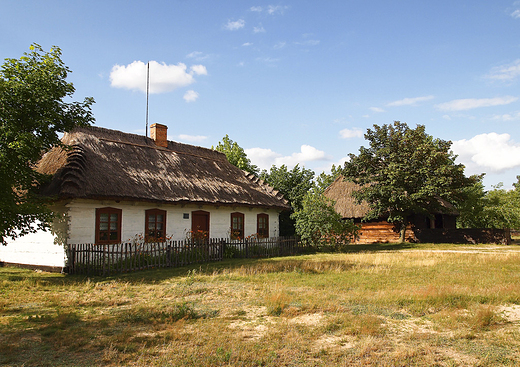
[(159, 226), (160, 218), (103, 236), (151, 220), (113, 235), (103, 226), (113, 217), (113, 226), (103, 217)]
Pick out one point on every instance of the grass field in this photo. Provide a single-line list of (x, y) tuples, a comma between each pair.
[(379, 305)]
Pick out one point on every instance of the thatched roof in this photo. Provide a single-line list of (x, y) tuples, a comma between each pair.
[(109, 164), (346, 205), (341, 192)]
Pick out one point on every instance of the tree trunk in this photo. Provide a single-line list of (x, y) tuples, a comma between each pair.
[(402, 232)]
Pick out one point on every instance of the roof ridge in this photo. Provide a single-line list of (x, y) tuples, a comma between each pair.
[(160, 148), (124, 135)]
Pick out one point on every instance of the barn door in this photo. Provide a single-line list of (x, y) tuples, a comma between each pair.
[(200, 224)]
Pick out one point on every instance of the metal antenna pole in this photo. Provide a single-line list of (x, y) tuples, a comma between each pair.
[(147, 94)]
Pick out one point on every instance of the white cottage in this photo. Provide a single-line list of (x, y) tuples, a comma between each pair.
[(112, 186)]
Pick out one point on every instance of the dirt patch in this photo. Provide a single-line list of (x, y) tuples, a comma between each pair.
[(511, 313), (462, 360), (333, 342), (308, 320)]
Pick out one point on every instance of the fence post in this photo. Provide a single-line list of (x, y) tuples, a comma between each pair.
[(168, 255), (104, 253), (72, 259)]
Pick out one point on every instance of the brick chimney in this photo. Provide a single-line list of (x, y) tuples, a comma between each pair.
[(158, 133)]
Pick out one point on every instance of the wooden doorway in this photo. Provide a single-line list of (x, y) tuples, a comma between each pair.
[(200, 224)]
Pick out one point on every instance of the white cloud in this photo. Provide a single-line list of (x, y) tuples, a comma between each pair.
[(351, 133), (190, 96), (279, 45), (247, 44), (409, 101), (377, 109), (276, 9), (507, 117), (163, 78), (506, 72), (494, 152), (233, 26), (192, 138), (257, 9), (259, 29), (268, 60), (265, 158), (199, 70), (197, 55), (470, 103), (308, 43)]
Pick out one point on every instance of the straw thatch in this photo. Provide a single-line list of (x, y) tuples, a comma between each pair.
[(109, 164), (346, 205)]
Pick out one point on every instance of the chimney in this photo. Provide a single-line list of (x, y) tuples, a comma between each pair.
[(158, 133)]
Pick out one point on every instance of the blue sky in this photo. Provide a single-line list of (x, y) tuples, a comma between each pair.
[(293, 81)]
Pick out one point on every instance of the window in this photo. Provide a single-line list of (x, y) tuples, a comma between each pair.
[(108, 225), (155, 225), (262, 225), (237, 226)]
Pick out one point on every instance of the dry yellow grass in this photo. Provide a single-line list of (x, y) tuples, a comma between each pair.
[(425, 306)]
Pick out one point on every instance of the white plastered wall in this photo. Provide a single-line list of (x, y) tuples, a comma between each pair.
[(82, 215), (40, 248)]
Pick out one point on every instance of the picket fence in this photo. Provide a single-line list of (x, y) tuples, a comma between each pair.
[(92, 259)]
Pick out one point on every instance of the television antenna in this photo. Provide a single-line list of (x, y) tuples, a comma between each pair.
[(147, 95)]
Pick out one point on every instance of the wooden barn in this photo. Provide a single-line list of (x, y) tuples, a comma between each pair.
[(380, 230), (111, 187)]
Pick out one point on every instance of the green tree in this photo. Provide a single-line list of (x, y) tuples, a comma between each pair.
[(317, 223), (471, 208), (497, 208), (33, 111), (405, 171), (293, 184), (236, 155)]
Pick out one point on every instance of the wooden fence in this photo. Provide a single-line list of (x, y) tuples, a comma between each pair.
[(91, 259)]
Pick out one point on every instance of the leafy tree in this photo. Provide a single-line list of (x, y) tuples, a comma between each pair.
[(293, 184), (318, 223), (471, 208), (497, 208), (236, 155), (33, 111), (405, 171)]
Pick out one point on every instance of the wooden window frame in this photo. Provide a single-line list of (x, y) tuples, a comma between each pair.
[(258, 229), (148, 214), (109, 211), (237, 234)]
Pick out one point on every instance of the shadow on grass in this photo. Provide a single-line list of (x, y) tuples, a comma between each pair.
[(377, 247), (160, 274)]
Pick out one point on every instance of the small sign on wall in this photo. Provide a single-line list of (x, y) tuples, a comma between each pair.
[(186, 216)]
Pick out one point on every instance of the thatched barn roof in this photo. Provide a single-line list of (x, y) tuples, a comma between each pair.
[(109, 164), (346, 205)]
